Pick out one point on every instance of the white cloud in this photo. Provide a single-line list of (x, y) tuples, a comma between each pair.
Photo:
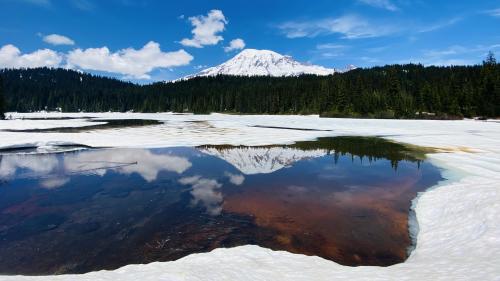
[(206, 29), (384, 4), (11, 164), (236, 44), (11, 57), (125, 161), (56, 39), (349, 26), (235, 179), (129, 62), (52, 183), (205, 192)]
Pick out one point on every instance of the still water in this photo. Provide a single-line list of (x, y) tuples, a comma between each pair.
[(346, 199)]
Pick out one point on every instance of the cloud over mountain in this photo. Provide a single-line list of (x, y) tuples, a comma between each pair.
[(236, 44)]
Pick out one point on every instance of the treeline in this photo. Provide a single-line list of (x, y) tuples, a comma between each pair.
[(393, 91)]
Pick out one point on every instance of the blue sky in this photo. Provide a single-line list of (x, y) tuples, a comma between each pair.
[(161, 40)]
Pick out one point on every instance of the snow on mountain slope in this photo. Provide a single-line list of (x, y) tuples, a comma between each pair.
[(251, 62), (262, 160)]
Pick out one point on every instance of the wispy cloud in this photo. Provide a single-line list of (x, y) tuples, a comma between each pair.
[(45, 3), (383, 4), (493, 12), (458, 50), (359, 27), (330, 46), (84, 5), (370, 60), (348, 26), (330, 50), (378, 49), (440, 25), (454, 55)]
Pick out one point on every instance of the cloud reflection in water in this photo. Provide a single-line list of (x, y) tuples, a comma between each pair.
[(126, 161), (205, 192), (54, 170)]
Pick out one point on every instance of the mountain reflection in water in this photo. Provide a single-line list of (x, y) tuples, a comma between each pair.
[(346, 199)]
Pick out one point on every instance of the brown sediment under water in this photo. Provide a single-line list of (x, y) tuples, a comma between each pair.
[(346, 199)]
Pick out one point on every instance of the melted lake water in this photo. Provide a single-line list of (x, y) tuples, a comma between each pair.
[(344, 199)]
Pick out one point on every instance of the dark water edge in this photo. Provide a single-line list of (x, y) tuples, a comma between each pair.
[(108, 124), (33, 149), (346, 199)]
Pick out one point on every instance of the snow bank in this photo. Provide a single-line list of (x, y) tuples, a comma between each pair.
[(459, 237)]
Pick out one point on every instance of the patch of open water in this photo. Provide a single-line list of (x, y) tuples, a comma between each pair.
[(346, 199)]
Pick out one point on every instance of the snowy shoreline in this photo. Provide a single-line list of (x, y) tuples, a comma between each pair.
[(458, 237)]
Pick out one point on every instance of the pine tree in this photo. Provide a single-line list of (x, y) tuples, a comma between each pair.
[(487, 102), (342, 102), (419, 101), (490, 59), (395, 96)]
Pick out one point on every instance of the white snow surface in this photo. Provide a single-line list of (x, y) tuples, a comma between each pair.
[(251, 62), (459, 233)]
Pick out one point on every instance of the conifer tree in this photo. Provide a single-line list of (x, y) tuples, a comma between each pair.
[(487, 102), (490, 59)]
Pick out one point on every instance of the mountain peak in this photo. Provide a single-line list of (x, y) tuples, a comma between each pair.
[(253, 62), (254, 52)]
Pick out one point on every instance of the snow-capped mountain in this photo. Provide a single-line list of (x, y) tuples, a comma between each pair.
[(349, 68), (251, 62), (261, 160)]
